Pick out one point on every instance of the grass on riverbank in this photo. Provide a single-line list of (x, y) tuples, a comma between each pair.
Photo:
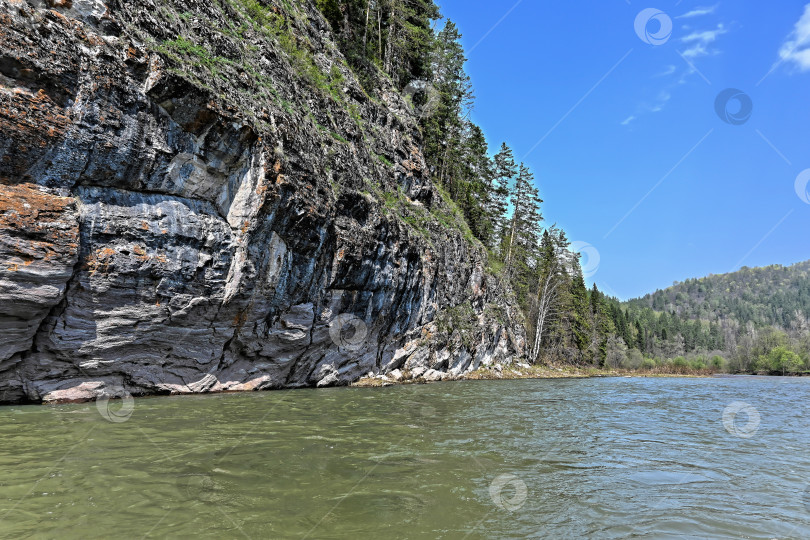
[(564, 371)]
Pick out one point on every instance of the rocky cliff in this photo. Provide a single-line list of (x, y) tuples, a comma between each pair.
[(199, 196)]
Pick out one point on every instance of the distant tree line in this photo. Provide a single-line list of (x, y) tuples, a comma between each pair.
[(758, 318)]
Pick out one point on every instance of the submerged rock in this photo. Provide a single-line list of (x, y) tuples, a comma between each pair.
[(167, 227)]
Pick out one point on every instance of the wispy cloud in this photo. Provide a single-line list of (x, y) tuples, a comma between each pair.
[(699, 43), (706, 36), (669, 70), (796, 48), (698, 12), (647, 107), (663, 97), (695, 51), (684, 77)]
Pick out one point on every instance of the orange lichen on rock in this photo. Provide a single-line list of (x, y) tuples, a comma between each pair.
[(261, 188), (36, 225), (66, 4), (140, 251), (100, 260), (39, 245), (240, 319), (32, 122)]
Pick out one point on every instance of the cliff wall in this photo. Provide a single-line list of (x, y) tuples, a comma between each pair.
[(199, 196)]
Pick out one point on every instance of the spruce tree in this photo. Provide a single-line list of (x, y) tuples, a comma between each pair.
[(641, 342), (505, 170), (443, 129), (581, 326), (524, 228)]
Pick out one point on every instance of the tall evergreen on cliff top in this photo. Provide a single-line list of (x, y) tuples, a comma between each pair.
[(505, 169)]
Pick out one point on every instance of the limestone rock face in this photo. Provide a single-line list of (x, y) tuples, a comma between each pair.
[(185, 208), (39, 246)]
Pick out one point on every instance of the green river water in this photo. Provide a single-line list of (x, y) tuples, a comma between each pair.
[(603, 458)]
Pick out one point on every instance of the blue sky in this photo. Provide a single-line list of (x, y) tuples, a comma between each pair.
[(623, 134)]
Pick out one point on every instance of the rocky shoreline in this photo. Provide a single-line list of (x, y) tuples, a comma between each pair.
[(420, 375), (517, 371)]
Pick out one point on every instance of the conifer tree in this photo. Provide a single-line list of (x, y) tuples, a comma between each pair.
[(394, 35), (443, 129), (641, 341), (505, 169), (472, 183), (524, 228), (581, 325)]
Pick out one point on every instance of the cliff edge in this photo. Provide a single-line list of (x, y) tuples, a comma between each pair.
[(200, 196)]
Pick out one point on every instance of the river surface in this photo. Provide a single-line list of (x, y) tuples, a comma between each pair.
[(604, 458)]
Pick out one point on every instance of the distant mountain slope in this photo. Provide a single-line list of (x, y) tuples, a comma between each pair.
[(770, 296)]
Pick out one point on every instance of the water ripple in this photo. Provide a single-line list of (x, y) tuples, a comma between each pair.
[(607, 458)]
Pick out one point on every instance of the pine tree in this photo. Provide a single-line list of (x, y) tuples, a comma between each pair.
[(472, 183), (602, 327), (524, 229), (505, 170), (394, 35), (581, 327), (641, 342), (443, 129)]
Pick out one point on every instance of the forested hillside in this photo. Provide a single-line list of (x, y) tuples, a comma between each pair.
[(757, 318), (773, 295)]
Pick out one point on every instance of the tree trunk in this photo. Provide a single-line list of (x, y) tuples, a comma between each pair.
[(379, 30), (365, 29), (389, 46), (547, 297), (512, 239)]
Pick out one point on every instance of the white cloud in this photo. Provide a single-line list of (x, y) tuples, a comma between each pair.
[(649, 107), (707, 36), (796, 48), (686, 74), (698, 12), (699, 42), (668, 71), (696, 50), (663, 97)]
